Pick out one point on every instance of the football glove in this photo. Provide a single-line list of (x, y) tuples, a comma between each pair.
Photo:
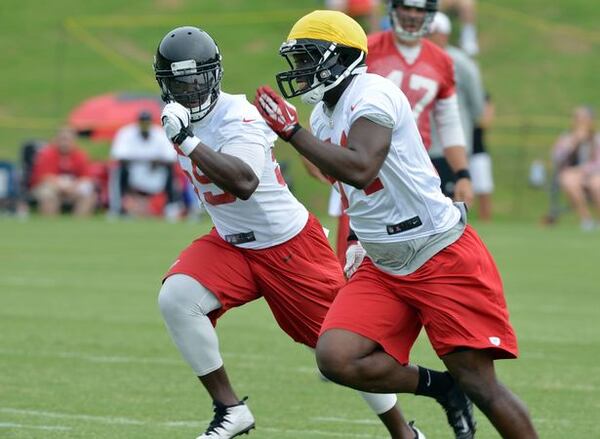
[(176, 120), (354, 257), (279, 114)]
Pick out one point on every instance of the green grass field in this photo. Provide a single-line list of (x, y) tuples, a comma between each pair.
[(83, 351), (84, 354)]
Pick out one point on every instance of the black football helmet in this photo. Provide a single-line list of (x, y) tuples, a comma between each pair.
[(405, 27), (187, 66)]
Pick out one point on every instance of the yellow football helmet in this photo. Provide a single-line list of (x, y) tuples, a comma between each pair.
[(322, 49)]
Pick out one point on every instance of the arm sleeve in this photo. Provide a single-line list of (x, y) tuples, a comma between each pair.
[(447, 121)]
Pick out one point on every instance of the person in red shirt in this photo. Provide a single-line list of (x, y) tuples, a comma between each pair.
[(425, 73), (61, 175)]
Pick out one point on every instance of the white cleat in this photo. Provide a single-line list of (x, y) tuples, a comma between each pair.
[(229, 421)]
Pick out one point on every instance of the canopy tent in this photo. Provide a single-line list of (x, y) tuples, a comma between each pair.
[(100, 117)]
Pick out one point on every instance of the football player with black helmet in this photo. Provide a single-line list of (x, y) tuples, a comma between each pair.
[(188, 69), (426, 266), (265, 243)]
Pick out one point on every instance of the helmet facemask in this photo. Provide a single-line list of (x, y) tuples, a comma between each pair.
[(407, 25), (316, 67), (195, 87)]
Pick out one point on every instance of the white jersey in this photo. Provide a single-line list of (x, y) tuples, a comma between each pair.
[(404, 202), (271, 215)]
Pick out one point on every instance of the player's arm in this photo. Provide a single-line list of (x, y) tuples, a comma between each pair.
[(228, 172), (357, 164), (447, 119)]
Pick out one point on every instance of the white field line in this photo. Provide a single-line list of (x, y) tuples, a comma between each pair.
[(174, 424), (34, 427), (78, 417), (135, 360)]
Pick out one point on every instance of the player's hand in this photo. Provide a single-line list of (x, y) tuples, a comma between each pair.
[(279, 114), (176, 120), (463, 191), (354, 257)]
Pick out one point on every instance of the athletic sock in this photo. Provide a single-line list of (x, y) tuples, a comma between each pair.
[(433, 384)]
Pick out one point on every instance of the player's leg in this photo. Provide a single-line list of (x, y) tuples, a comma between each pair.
[(189, 308), (299, 281), (465, 315), (185, 305), (365, 343), (594, 188), (480, 167), (84, 198), (571, 180), (474, 371)]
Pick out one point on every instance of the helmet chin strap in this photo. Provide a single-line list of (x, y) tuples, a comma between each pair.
[(316, 95)]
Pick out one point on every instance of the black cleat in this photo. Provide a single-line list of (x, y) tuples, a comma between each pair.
[(459, 412)]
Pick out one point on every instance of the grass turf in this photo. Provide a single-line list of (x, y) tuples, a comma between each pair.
[(84, 354)]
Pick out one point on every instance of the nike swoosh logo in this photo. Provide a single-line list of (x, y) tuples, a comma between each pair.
[(248, 120)]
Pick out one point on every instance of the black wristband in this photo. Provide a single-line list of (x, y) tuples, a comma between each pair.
[(463, 173), (291, 134), (352, 236), (182, 135)]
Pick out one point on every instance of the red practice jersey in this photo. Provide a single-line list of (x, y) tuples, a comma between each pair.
[(428, 79), (50, 161)]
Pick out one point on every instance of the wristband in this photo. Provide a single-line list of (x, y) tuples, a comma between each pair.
[(463, 173), (294, 131), (189, 144), (352, 237)]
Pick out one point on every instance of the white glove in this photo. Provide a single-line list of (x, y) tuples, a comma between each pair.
[(174, 118), (354, 257), (176, 121)]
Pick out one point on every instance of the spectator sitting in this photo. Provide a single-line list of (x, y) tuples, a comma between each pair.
[(576, 158), (61, 177), (145, 168)]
